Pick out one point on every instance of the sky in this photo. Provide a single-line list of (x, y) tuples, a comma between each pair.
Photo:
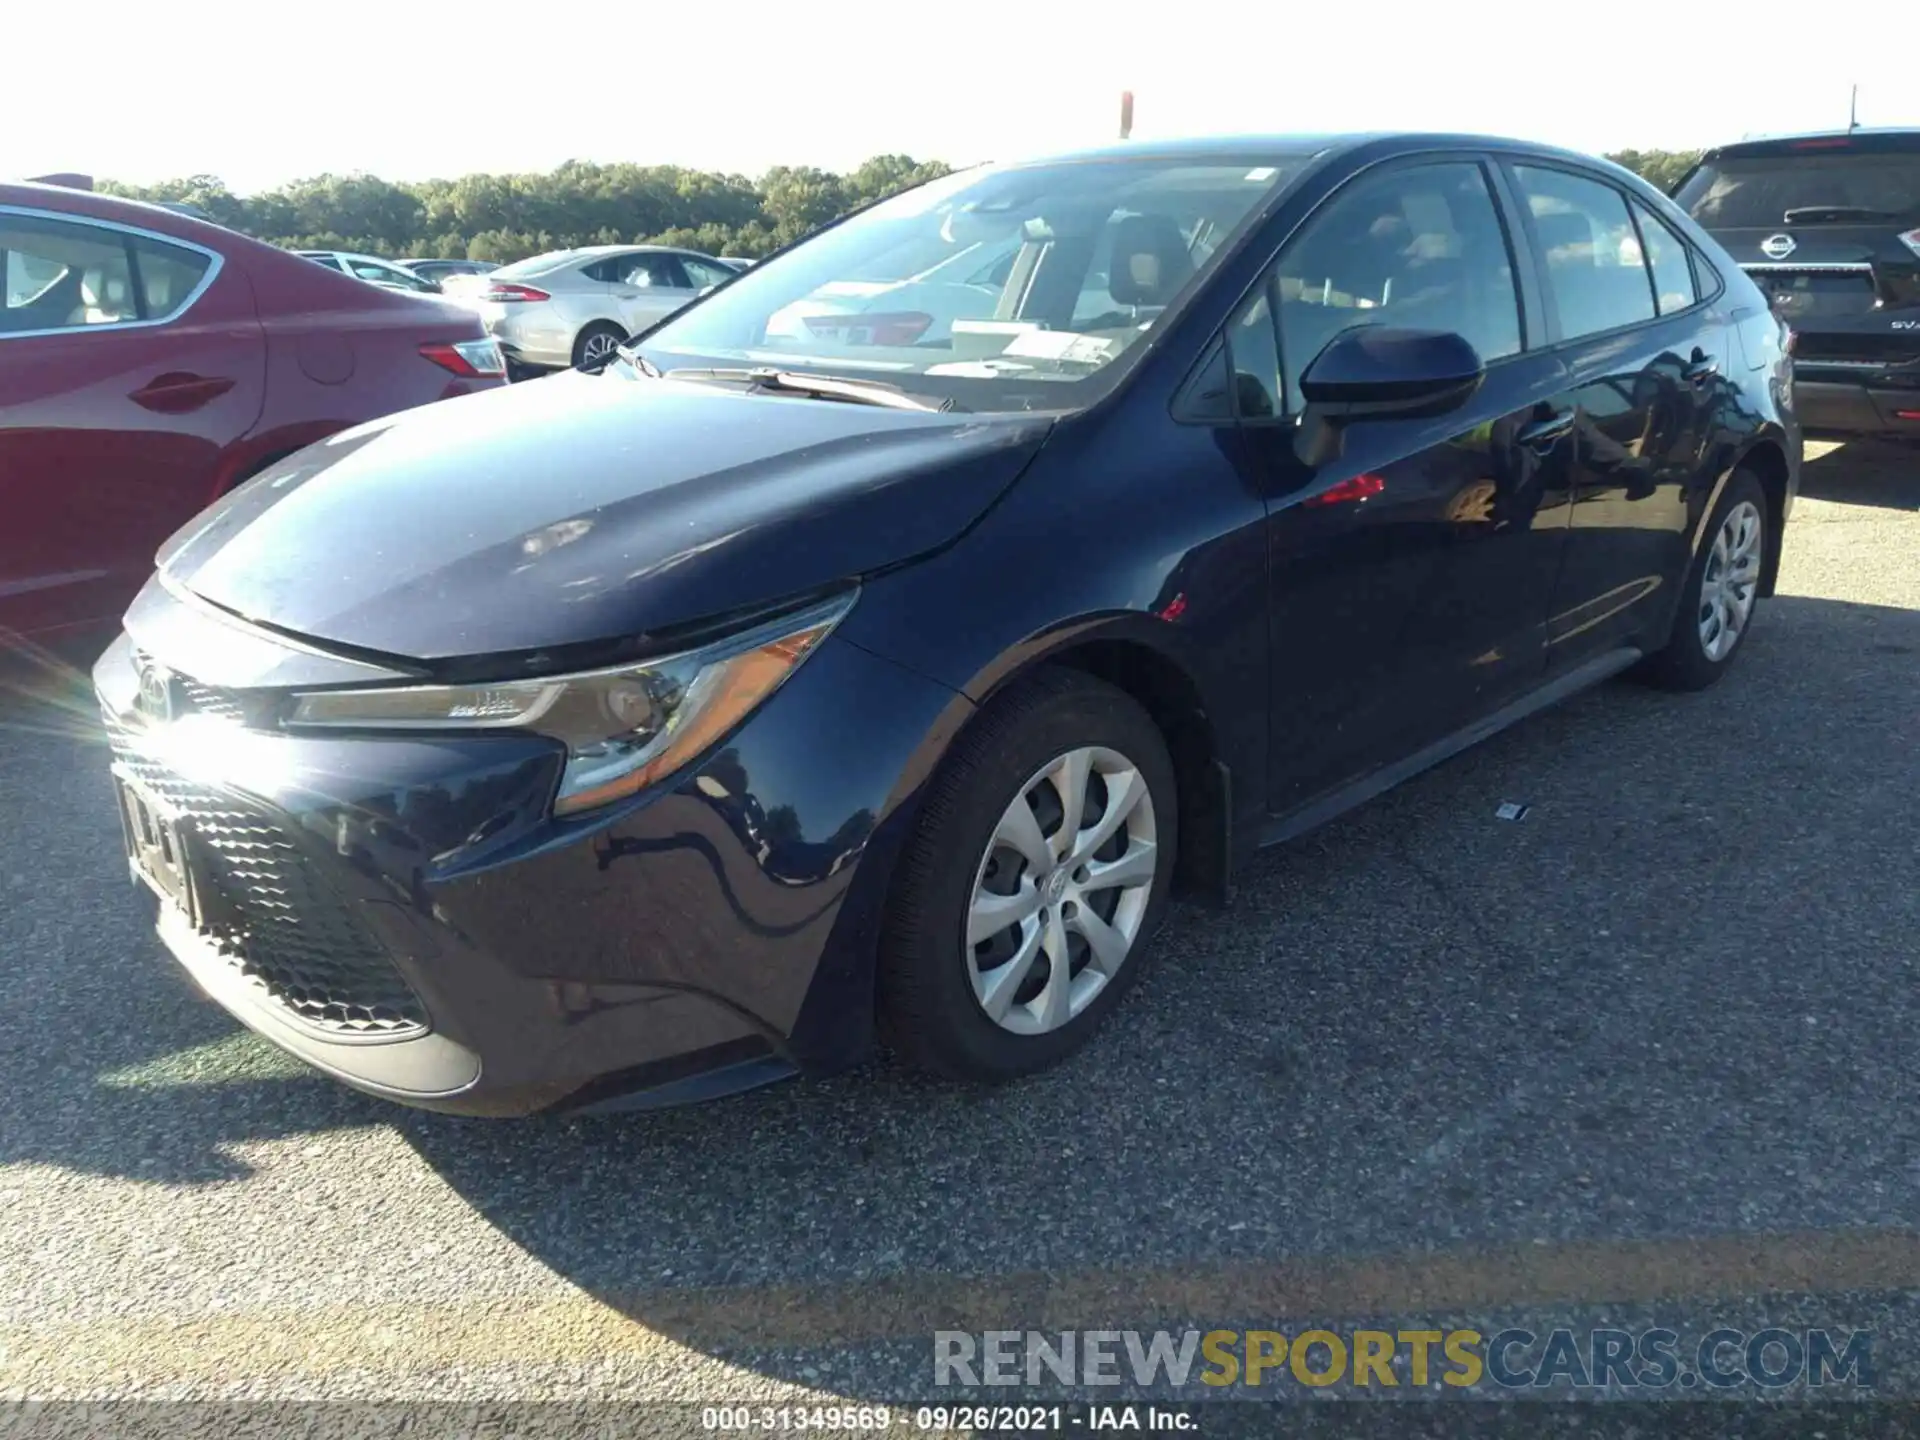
[(263, 93)]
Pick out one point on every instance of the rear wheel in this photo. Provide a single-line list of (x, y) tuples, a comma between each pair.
[(595, 344), (1038, 871), (1720, 594)]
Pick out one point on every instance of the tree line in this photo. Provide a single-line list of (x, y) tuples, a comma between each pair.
[(502, 218), (509, 217)]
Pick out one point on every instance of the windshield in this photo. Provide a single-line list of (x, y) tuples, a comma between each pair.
[(1008, 287), (1758, 190)]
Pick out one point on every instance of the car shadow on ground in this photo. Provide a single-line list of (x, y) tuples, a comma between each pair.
[(1419, 1027), (1881, 473)]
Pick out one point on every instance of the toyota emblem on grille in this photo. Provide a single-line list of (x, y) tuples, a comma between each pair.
[(155, 699), (1777, 247)]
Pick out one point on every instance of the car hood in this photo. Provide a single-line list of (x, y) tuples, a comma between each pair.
[(587, 508)]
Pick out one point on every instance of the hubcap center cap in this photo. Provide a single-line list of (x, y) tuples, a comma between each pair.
[(1057, 885)]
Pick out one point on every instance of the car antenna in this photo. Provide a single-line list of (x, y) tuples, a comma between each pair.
[(1853, 110), (1126, 114)]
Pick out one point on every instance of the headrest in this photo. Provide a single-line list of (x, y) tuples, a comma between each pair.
[(101, 291), (1150, 261)]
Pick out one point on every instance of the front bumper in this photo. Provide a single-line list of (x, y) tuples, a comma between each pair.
[(403, 913)]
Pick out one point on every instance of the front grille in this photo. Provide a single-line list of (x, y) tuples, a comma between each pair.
[(188, 696), (205, 700), (273, 919)]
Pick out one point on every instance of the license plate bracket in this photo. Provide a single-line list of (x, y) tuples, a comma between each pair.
[(159, 846)]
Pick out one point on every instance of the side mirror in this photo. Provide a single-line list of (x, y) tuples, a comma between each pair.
[(1379, 372)]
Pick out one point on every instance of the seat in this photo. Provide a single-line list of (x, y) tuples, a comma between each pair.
[(105, 297), (157, 279)]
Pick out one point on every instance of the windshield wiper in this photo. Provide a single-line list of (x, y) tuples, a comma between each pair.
[(633, 357), (825, 387), (1814, 214)]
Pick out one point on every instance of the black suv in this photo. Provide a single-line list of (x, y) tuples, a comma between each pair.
[(1829, 227)]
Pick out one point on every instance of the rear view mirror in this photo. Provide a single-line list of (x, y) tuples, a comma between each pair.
[(1379, 372)]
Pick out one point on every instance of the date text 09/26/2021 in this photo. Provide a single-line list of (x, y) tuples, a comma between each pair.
[(938, 1419)]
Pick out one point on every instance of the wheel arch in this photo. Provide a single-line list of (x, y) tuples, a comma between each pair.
[(598, 322), (258, 453), (1766, 460), (1135, 653)]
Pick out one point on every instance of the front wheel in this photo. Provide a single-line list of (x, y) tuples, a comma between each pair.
[(1720, 593), (1039, 869)]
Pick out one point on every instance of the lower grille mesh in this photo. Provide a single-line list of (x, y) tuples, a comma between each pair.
[(274, 920)]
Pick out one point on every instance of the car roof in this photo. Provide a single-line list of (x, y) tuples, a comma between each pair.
[(1880, 140), (615, 250), (118, 209), (1233, 149)]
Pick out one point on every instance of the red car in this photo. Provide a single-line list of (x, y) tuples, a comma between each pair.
[(149, 362)]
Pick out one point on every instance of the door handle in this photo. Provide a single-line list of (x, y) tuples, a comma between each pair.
[(177, 392), (1701, 368), (1543, 435)]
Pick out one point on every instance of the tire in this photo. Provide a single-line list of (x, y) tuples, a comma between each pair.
[(1693, 658), (935, 987), (591, 337)]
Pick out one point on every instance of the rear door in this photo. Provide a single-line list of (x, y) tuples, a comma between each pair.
[(1411, 576), (1647, 361), (129, 362)]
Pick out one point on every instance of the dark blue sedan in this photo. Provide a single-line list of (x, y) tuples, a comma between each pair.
[(871, 649)]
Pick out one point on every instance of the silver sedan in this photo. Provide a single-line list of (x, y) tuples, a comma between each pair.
[(571, 307)]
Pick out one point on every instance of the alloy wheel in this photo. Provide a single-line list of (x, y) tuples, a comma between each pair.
[(598, 347), (1731, 580), (1061, 893)]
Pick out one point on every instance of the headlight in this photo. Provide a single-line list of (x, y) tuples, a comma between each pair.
[(624, 728)]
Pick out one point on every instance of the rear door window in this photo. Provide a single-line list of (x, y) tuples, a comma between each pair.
[(653, 272), (704, 273), (1596, 272), (63, 275)]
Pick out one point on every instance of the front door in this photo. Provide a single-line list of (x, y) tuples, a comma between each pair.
[(1410, 577)]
